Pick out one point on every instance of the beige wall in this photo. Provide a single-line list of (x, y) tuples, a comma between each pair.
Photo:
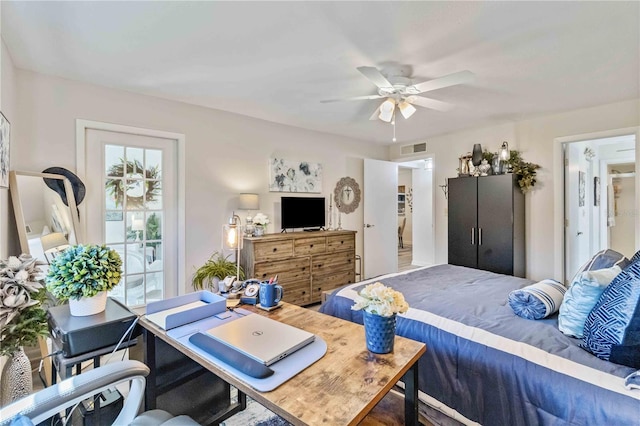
[(225, 153), (535, 138)]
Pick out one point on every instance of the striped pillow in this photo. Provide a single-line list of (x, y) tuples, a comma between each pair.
[(604, 259), (612, 329), (538, 300)]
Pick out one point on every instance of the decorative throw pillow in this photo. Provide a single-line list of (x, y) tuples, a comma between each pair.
[(537, 300), (582, 296), (603, 259), (612, 329)]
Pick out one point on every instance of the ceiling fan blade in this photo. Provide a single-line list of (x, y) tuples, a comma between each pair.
[(355, 98), (430, 103), (460, 77), (375, 77)]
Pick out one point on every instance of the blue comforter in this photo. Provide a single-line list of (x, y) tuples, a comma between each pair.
[(484, 364)]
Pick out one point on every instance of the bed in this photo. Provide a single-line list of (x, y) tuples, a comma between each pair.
[(485, 365)]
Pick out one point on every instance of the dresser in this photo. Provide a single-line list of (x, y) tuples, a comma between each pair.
[(307, 263)]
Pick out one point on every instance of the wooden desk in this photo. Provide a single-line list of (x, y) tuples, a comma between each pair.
[(340, 388)]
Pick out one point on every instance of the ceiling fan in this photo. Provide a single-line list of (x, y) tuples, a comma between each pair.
[(402, 94)]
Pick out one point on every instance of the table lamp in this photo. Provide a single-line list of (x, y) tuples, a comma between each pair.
[(232, 239)]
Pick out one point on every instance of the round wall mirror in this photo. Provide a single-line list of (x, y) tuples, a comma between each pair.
[(347, 195)]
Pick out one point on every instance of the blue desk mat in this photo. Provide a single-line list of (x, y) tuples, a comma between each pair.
[(283, 370)]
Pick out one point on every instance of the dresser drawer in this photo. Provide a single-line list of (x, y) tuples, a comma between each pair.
[(290, 270), (271, 250), (330, 282), (341, 242), (328, 263), (298, 293), (310, 245)]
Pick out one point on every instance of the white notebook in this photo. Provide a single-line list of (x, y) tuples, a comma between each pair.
[(261, 338)]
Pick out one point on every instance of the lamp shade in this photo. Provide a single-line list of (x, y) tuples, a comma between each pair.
[(386, 110), (137, 225), (406, 109), (249, 202)]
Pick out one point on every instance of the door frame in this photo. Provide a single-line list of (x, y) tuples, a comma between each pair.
[(558, 188), (81, 128)]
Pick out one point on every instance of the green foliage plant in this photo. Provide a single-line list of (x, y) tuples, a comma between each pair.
[(217, 266), (525, 171), (22, 294), (83, 271)]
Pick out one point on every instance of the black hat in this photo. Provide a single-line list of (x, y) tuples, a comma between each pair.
[(57, 185)]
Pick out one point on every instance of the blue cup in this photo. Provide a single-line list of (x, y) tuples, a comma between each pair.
[(270, 294)]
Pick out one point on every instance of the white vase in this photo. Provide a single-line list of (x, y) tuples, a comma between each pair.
[(86, 306), (15, 381)]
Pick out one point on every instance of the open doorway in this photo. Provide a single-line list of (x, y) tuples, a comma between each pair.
[(600, 199), (415, 214)]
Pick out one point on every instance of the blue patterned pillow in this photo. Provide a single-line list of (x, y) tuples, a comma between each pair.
[(612, 329), (538, 300), (602, 260)]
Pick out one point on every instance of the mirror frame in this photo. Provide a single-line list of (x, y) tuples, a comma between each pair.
[(347, 182), (18, 210)]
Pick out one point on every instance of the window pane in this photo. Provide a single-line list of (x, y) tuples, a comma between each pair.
[(114, 193), (114, 227), (135, 226), (113, 160), (135, 162), (135, 289), (154, 226), (135, 194), (153, 163), (155, 287), (154, 195)]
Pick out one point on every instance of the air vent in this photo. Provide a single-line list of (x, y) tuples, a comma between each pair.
[(412, 149)]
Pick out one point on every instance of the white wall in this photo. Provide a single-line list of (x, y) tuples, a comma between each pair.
[(535, 138), (226, 154), (8, 108)]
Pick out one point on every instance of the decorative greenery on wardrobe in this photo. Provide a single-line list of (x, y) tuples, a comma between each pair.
[(525, 171)]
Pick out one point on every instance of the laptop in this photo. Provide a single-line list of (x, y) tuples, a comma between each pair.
[(261, 338)]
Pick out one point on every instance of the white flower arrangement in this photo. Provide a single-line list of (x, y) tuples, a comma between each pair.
[(381, 300), (260, 219)]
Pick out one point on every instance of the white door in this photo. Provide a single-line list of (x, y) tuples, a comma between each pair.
[(380, 217), (577, 202), (131, 205), (422, 225)]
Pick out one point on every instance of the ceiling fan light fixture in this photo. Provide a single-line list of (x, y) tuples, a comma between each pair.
[(406, 109), (386, 110)]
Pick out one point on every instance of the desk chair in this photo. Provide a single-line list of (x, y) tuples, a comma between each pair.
[(400, 232), (55, 399)]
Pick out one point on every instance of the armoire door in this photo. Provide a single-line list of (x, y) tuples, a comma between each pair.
[(462, 222), (495, 223)]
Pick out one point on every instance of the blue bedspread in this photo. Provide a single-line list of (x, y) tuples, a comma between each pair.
[(484, 364)]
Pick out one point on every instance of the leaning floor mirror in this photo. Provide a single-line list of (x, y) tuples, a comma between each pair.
[(46, 224)]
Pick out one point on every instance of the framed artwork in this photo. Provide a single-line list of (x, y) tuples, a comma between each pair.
[(596, 191), (5, 138), (294, 176), (581, 188)]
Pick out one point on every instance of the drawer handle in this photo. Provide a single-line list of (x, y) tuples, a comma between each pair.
[(304, 267), (275, 249), (304, 292), (349, 261), (264, 275), (311, 245), (341, 242)]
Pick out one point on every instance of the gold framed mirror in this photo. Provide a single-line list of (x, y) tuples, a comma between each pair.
[(347, 195), (46, 225)]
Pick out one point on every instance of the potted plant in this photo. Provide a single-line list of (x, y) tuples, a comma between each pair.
[(83, 274), (260, 221), (22, 321), (380, 304), (217, 268)]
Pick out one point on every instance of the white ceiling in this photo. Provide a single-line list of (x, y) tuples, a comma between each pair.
[(277, 60)]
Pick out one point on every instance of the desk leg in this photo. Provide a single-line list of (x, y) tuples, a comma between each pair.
[(410, 380), (150, 360)]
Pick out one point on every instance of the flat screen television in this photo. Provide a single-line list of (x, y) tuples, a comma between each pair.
[(302, 212)]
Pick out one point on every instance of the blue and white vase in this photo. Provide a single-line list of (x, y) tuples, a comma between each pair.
[(379, 332)]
